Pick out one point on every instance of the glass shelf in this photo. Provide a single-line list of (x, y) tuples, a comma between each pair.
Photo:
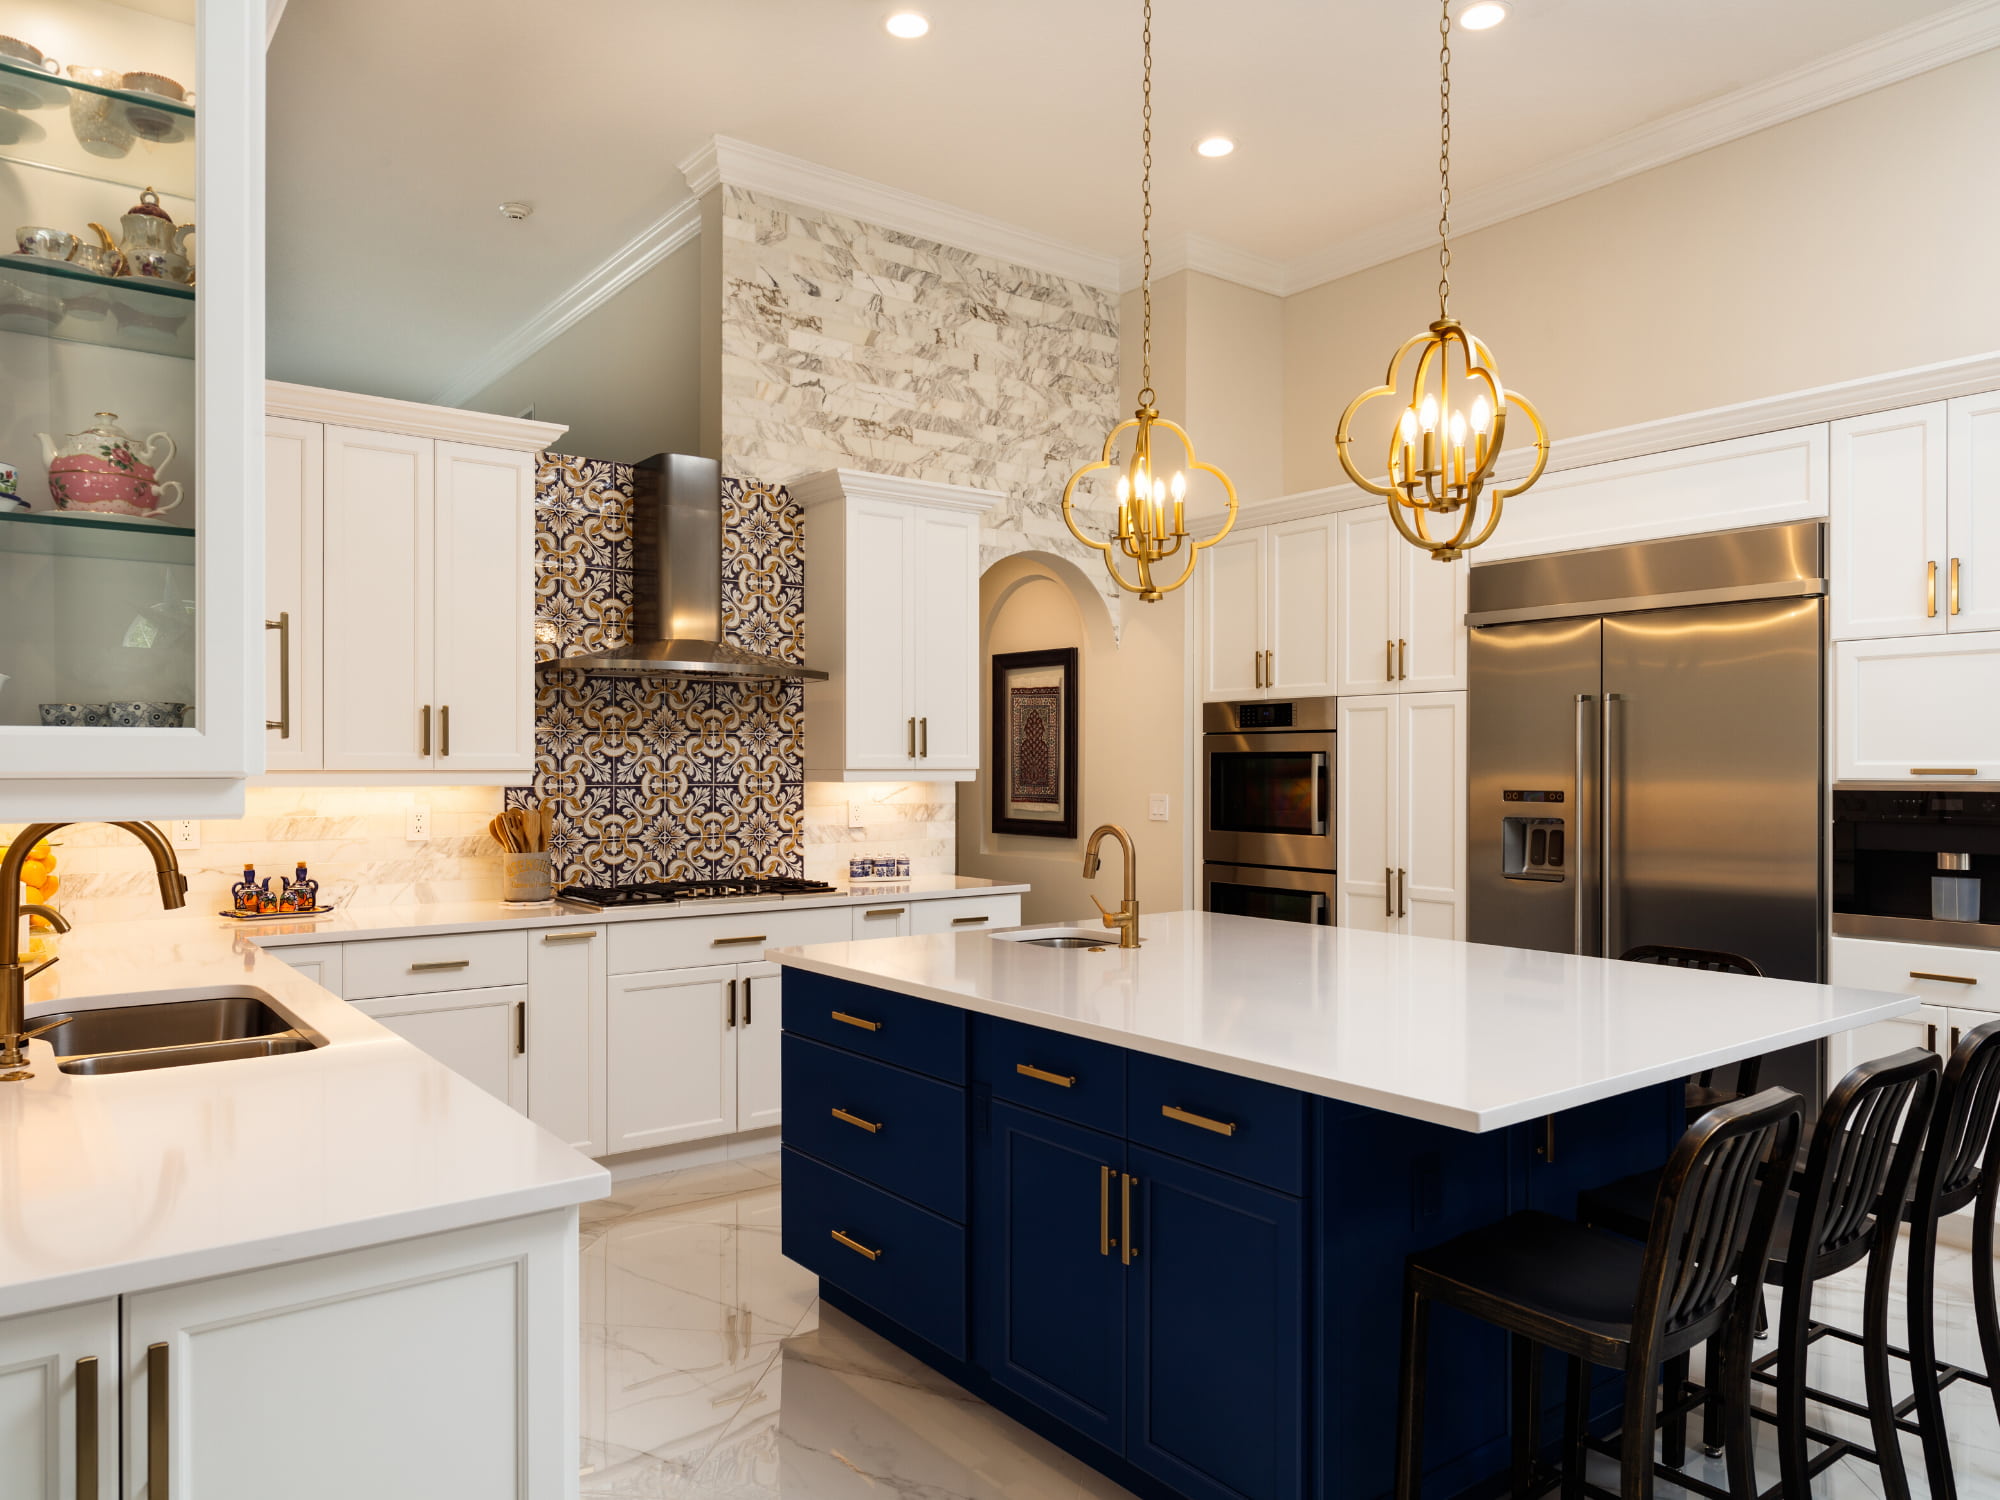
[(41, 533), (108, 135), (57, 300)]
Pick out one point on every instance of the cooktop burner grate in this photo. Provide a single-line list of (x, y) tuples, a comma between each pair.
[(668, 892)]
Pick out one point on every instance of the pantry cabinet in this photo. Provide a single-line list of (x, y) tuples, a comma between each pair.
[(1401, 789), (1269, 621), (1402, 624), (401, 538), (59, 1403), (893, 572)]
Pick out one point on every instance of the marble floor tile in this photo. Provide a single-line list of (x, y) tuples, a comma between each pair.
[(711, 1371)]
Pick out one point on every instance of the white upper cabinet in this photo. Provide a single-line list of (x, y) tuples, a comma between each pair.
[(1889, 563), (1402, 626), (892, 569), (1268, 622), (1431, 635), (1918, 710), (1232, 617), (402, 538), (1972, 563)]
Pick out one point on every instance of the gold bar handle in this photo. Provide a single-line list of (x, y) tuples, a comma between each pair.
[(1942, 978), (283, 625), (156, 1422), (425, 747), (1257, 668), (1930, 591), (1127, 1251), (1060, 1080), (1953, 586), (873, 1127), (1189, 1117), (969, 921), (1930, 1037), (1389, 669), (550, 938), (845, 1019), (732, 1003), (856, 1246), (441, 966), (1402, 892), (520, 1028), (738, 942), (1944, 770), (1270, 669), (748, 990), (1402, 660), (884, 911), (913, 739), (1104, 1240), (444, 730), (924, 738), (86, 1428), (1388, 892)]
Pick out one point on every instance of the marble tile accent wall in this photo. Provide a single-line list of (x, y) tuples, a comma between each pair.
[(916, 818)]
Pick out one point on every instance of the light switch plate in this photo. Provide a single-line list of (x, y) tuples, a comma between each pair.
[(417, 827), (186, 833), (1157, 807)]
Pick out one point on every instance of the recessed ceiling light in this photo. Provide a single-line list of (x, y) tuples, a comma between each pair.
[(1484, 15), (516, 211), (1216, 145), (907, 24)]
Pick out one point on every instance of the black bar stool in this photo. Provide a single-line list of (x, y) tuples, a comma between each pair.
[(1602, 1300), (1702, 1092), (1843, 1207)]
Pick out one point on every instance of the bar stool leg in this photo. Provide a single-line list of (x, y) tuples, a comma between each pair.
[(1674, 1427), (1712, 1417), (1527, 1403), (1875, 1366), (1734, 1434), (1576, 1418), (1794, 1316), (1985, 1305), (1923, 1358), (1410, 1400), (1635, 1449)]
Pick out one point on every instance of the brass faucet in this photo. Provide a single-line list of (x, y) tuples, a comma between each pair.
[(14, 1037), (1126, 919)]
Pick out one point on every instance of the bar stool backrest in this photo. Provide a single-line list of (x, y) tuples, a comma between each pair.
[(1863, 1155), (1690, 958), (1713, 1217), (1962, 1127)]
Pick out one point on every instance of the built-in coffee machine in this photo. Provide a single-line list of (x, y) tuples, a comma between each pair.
[(1922, 864)]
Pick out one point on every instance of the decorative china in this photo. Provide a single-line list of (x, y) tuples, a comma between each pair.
[(44, 243), (101, 259), (98, 121), (17, 92), (101, 469), (156, 83), (152, 244)]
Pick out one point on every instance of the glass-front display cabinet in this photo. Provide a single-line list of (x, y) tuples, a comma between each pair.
[(131, 380)]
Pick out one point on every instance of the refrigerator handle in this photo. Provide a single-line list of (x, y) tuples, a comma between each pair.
[(1584, 845), (1614, 935)]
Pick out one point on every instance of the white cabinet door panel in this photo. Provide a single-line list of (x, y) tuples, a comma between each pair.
[(891, 919), (1232, 596), (1887, 544), (1922, 711), (760, 1028), (475, 1033), (945, 548), (880, 633), (1927, 1026), (1433, 604), (566, 1035), (1974, 532), (1301, 560), (1430, 897), (484, 677), (319, 962), (965, 914), (670, 1069), (46, 1360), (293, 497), (1365, 843), (379, 529), (1962, 978), (1368, 605)]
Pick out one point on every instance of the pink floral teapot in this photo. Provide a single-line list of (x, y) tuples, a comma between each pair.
[(101, 469)]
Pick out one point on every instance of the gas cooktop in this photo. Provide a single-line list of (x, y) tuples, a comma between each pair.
[(672, 892)]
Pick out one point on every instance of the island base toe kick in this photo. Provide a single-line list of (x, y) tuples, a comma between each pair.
[(1188, 1279)]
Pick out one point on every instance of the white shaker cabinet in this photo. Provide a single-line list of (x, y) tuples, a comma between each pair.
[(893, 572), (293, 517), (759, 1036), (59, 1403), (1402, 627), (1922, 710), (1431, 640), (481, 1035), (483, 628), (1269, 625), (1400, 841), (1888, 559), (1365, 822), (670, 1067), (1972, 564), (565, 1035), (1232, 617)]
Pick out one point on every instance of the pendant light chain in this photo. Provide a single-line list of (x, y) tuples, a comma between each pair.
[(1444, 161), (1146, 397)]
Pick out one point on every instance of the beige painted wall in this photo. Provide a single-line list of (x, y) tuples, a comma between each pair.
[(1849, 242), (1130, 740), (626, 378)]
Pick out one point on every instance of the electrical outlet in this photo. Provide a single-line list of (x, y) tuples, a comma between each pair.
[(854, 818), (417, 827), (186, 833), (1156, 808)]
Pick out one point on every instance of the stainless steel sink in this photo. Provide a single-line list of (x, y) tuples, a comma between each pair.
[(171, 1034), (1058, 937), (1063, 942)]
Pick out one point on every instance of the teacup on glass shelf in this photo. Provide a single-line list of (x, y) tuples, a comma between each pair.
[(44, 243), (17, 92)]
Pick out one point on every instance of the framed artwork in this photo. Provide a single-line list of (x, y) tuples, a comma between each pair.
[(1034, 743)]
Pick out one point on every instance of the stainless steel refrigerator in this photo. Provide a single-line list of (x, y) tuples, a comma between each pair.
[(1647, 740)]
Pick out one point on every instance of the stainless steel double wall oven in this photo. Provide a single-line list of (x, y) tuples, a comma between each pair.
[(1267, 801)]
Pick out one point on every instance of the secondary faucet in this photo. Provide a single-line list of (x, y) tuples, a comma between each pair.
[(1126, 918), (14, 1037)]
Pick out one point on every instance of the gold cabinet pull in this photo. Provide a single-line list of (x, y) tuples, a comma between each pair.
[(1388, 892), (856, 1246), (1060, 1080), (520, 1028), (845, 1019), (1104, 1240), (969, 921), (1944, 770), (924, 739), (156, 1422), (1127, 1251), (1270, 669), (283, 625), (585, 936), (913, 738), (86, 1428), (444, 730), (1257, 668), (1930, 1037), (1954, 1038), (748, 985), (738, 942), (442, 965), (1402, 660), (1402, 892), (873, 1127), (1189, 1117), (1942, 978), (1930, 591), (884, 911), (1389, 669), (425, 747), (732, 1002), (1953, 586)]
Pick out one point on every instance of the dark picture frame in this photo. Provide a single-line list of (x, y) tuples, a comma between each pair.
[(1034, 717)]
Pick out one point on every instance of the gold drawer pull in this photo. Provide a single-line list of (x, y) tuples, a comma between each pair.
[(885, 911), (868, 1125), (1942, 978), (1944, 770), (844, 1018), (158, 1468), (1104, 1240), (969, 921), (1189, 1117), (738, 942), (1060, 1080), (567, 937), (856, 1246), (442, 966), (86, 1428)]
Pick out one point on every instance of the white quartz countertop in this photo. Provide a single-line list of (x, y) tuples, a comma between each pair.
[(1461, 1034)]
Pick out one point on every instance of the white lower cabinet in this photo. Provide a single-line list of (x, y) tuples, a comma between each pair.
[(1400, 828), (670, 1057), (1928, 1026), (892, 920), (967, 914), (565, 1035), (1919, 710), (760, 1029), (438, 1366), (479, 1034), (59, 1403)]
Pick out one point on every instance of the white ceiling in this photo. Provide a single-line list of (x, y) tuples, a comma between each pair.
[(396, 129)]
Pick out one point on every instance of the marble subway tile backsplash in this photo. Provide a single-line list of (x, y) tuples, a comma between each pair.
[(917, 818)]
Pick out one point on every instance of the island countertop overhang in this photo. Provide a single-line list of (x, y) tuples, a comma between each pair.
[(1465, 1035)]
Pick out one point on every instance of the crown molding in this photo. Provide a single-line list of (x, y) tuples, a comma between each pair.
[(858, 484), (723, 159), (625, 265), (311, 403), (1211, 257)]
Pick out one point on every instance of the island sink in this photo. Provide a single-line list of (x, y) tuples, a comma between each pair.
[(171, 1034)]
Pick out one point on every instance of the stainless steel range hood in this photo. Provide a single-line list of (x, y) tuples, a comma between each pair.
[(677, 583)]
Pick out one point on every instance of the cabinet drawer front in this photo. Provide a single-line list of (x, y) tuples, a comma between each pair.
[(962, 914), (906, 1263), (731, 938), (1065, 1076), (1965, 978), (1254, 1130), (420, 965), (917, 1034), (886, 1125)]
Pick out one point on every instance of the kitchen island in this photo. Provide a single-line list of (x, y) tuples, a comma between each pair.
[(1155, 1203)]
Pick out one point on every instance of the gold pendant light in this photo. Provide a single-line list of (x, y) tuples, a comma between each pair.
[(1152, 520), (1441, 458)]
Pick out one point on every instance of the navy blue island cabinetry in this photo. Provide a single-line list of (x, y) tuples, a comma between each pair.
[(1187, 1278)]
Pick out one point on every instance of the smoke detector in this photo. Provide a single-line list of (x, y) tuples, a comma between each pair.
[(516, 211)]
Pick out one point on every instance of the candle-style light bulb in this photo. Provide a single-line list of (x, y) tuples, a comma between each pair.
[(1124, 507), (1180, 500), (1406, 431), (1482, 423), (1427, 417)]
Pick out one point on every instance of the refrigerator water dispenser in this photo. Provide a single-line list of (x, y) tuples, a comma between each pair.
[(1531, 848)]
